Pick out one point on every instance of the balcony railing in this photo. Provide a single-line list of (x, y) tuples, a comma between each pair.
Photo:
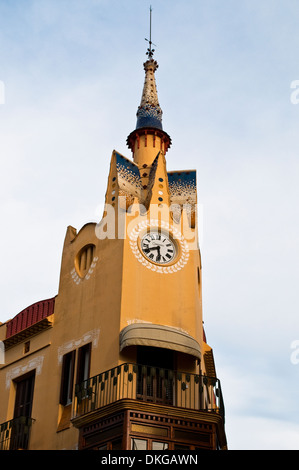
[(149, 384), (14, 434)]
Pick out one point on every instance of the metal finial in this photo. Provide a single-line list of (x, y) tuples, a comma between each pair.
[(150, 51)]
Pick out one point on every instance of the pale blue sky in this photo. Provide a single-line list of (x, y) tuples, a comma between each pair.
[(73, 78)]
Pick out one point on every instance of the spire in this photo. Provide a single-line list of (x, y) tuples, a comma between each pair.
[(149, 115)]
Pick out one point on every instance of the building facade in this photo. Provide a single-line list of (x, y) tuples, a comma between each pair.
[(118, 359)]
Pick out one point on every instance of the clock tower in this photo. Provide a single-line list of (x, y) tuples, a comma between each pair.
[(166, 389), (119, 359)]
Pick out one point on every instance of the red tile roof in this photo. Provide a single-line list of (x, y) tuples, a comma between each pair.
[(29, 316)]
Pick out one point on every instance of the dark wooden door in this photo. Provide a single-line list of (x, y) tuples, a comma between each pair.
[(155, 375)]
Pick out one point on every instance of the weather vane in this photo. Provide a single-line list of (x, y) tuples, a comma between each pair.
[(150, 51)]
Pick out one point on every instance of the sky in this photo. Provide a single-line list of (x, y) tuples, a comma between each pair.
[(71, 79)]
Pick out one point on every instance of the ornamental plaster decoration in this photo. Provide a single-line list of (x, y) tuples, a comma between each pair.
[(146, 224), (31, 364), (89, 337)]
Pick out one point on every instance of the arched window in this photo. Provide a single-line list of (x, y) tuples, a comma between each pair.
[(84, 259)]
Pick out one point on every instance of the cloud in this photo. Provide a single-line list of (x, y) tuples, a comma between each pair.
[(256, 433)]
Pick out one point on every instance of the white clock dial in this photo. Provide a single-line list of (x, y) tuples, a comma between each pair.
[(158, 247)]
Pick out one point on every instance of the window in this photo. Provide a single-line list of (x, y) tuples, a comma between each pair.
[(84, 259), (23, 408), (159, 445), (67, 378), (148, 444), (111, 445), (181, 447), (24, 396), (139, 444), (103, 447), (83, 363), (68, 372)]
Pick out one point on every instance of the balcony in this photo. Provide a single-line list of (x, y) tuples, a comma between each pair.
[(14, 434), (151, 385)]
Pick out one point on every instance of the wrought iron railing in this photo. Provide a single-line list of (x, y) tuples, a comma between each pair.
[(15, 433), (150, 384)]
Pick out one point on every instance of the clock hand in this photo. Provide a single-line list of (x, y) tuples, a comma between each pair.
[(150, 248)]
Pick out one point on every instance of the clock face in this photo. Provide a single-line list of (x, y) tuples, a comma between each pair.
[(158, 247)]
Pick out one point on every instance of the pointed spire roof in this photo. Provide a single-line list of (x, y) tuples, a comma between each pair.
[(149, 113)]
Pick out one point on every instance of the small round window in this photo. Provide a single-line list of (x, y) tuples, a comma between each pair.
[(84, 259)]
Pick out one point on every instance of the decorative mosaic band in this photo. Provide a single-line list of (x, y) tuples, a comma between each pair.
[(149, 116)]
